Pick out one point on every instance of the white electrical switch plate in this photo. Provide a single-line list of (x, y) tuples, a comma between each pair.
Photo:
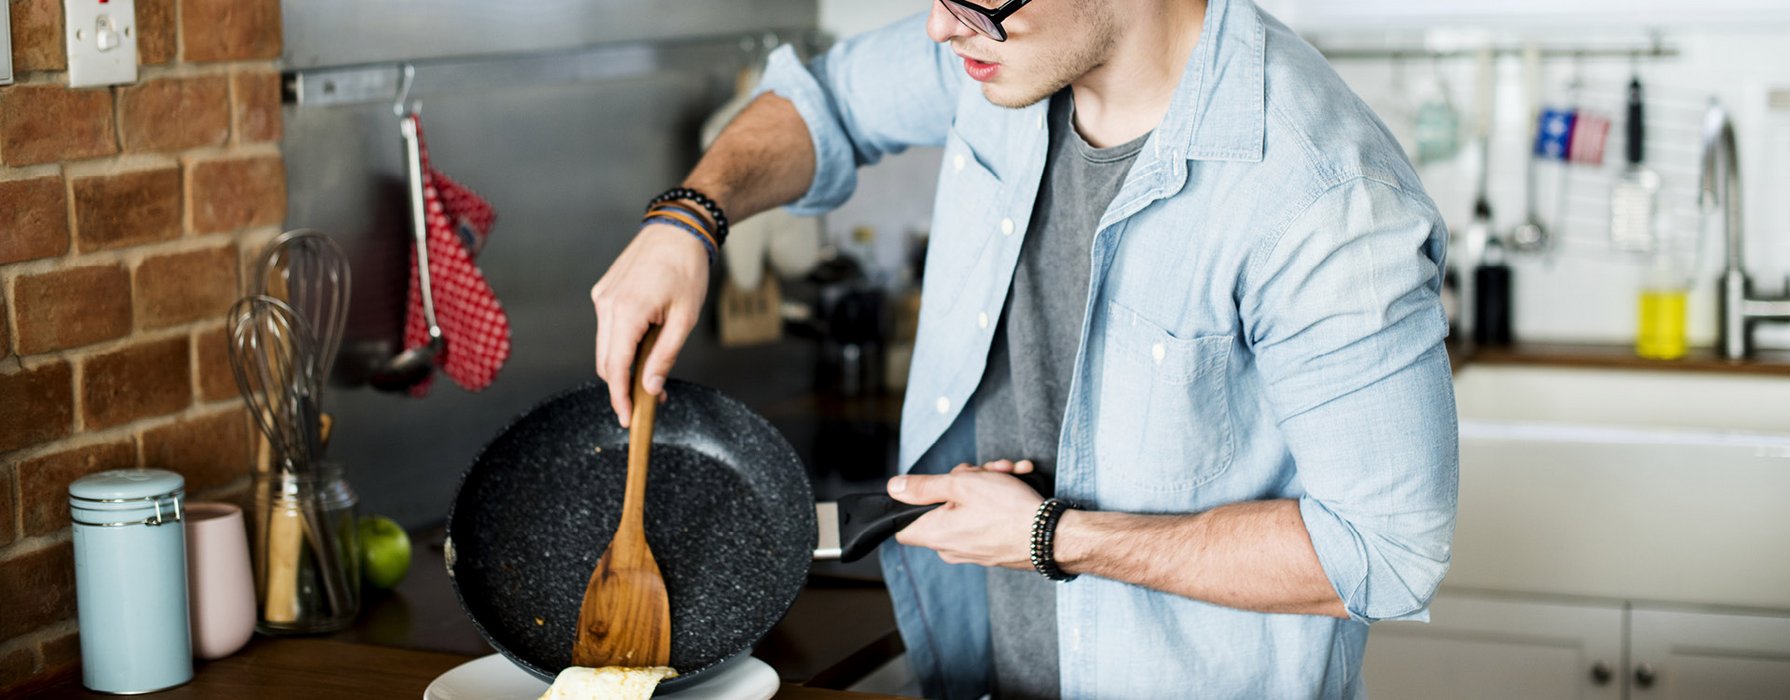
[(102, 42), (5, 43)]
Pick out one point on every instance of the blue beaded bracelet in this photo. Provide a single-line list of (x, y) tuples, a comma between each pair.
[(706, 243)]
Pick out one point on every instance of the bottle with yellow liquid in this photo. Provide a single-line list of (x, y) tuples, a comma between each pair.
[(1666, 284), (1662, 328)]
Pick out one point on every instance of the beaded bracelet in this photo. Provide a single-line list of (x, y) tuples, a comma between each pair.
[(707, 244), (1044, 535), (709, 205)]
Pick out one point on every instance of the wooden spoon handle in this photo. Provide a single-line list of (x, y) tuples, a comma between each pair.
[(640, 438)]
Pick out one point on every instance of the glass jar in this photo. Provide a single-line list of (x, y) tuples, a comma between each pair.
[(307, 553)]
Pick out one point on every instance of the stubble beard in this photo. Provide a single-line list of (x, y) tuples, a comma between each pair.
[(1058, 69)]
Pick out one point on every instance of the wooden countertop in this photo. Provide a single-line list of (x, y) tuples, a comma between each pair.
[(834, 635), (328, 669), (1764, 363)]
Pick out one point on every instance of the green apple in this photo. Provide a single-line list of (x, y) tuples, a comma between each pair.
[(385, 551)]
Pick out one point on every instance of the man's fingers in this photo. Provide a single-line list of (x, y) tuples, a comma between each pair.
[(919, 490), (1004, 466), (671, 340), (1024, 466), (618, 361)]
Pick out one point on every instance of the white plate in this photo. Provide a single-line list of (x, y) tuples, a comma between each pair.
[(495, 678)]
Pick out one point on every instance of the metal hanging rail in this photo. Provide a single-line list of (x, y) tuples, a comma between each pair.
[(1652, 51), (382, 82)]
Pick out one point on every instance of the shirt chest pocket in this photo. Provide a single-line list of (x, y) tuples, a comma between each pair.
[(1164, 420)]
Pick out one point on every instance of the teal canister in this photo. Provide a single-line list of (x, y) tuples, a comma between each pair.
[(130, 580)]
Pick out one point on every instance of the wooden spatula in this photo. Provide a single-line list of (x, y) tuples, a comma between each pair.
[(625, 619)]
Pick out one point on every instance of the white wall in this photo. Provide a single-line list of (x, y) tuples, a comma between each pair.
[(1584, 291)]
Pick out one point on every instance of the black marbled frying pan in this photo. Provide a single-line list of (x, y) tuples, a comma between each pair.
[(730, 517)]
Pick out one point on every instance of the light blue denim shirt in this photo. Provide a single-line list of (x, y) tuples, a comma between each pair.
[(1263, 322)]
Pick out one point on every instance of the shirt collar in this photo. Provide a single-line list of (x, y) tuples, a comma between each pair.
[(1219, 110)]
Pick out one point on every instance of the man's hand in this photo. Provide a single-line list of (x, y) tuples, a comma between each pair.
[(986, 518), (660, 279)]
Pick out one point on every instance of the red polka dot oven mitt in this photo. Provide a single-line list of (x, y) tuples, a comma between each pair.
[(472, 320)]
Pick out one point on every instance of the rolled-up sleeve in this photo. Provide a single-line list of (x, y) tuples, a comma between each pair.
[(873, 94), (1343, 312)]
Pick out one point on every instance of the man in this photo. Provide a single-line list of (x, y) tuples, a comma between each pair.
[(1176, 264)]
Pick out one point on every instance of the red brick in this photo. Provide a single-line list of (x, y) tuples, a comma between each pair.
[(124, 209), (9, 507), (72, 307), (210, 451), (39, 403), (155, 31), (237, 193), (172, 114), (39, 589), (257, 105), (216, 380), (43, 481), (226, 30), (48, 123), (37, 36), (5, 334), (61, 654), (16, 667), (34, 222), (140, 381), (185, 287)]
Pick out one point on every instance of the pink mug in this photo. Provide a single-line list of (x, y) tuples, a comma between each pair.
[(220, 584)]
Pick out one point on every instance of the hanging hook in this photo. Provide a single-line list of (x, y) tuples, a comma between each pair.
[(406, 77)]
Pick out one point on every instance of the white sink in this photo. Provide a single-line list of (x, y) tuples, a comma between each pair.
[(1627, 485)]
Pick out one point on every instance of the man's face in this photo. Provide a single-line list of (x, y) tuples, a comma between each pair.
[(1050, 43)]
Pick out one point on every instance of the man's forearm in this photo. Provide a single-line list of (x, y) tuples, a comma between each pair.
[(1252, 556), (763, 159)]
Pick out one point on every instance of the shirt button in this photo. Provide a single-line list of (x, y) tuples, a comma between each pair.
[(957, 163), (1158, 351), (1041, 119), (982, 320), (1007, 226), (944, 405)]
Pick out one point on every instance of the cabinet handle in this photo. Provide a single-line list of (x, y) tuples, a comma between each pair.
[(1645, 676), (1601, 673)]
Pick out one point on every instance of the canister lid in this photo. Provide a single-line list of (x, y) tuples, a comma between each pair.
[(126, 484)]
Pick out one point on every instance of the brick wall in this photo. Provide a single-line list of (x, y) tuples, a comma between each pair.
[(127, 217)]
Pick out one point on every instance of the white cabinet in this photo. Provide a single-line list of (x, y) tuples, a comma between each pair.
[(1509, 647), (1677, 655), (1497, 649)]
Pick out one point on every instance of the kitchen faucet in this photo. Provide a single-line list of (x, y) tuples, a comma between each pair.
[(1719, 188)]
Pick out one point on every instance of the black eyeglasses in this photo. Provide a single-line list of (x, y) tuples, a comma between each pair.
[(985, 21)]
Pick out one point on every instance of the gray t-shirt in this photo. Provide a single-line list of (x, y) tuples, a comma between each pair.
[(1020, 402)]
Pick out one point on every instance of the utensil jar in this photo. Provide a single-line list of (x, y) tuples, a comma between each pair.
[(307, 553)]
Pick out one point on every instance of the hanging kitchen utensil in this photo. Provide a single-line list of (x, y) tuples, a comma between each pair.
[(1532, 235), (625, 619), (729, 513), (1437, 127), (464, 321), (416, 362), (1635, 199)]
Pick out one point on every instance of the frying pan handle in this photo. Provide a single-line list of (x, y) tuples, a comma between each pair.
[(867, 519)]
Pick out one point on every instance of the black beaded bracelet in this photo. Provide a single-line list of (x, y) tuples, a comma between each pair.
[(1044, 536), (702, 200)]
